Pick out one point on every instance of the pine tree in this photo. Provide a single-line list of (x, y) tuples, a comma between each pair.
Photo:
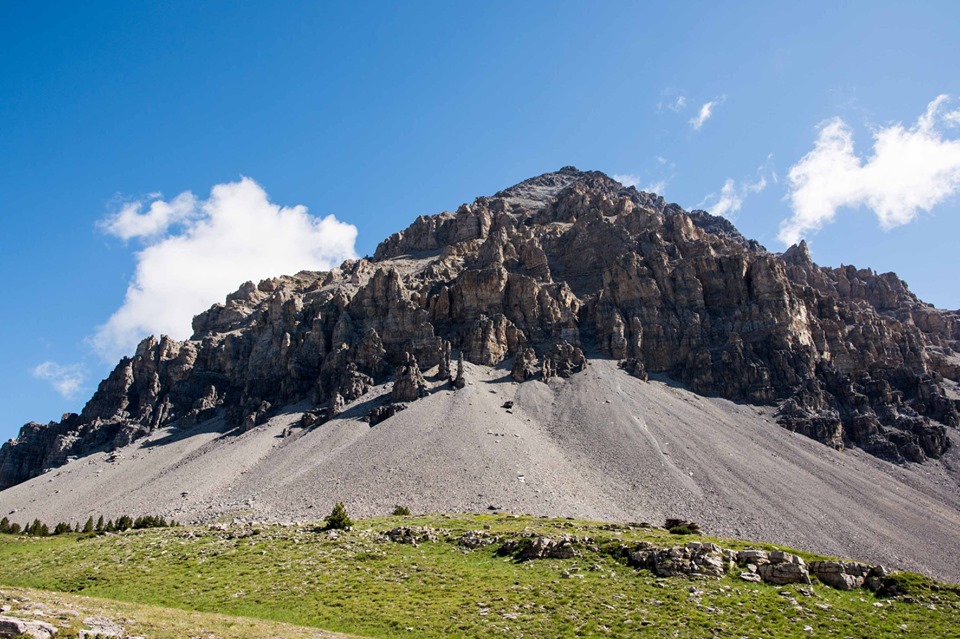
[(44, 531), (88, 527), (109, 527), (15, 529), (61, 528), (34, 528), (124, 523), (100, 524), (338, 518), (4, 525)]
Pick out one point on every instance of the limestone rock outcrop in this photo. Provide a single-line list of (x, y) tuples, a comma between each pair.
[(410, 384), (551, 270)]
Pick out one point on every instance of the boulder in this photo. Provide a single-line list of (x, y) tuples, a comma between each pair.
[(842, 575), (14, 627)]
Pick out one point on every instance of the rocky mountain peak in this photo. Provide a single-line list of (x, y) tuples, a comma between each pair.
[(543, 275)]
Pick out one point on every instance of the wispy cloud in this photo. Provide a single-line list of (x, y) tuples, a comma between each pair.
[(197, 251), (627, 179), (912, 169), (65, 379), (731, 197), (705, 113), (671, 101)]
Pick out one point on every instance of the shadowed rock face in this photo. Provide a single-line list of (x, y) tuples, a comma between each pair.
[(558, 265)]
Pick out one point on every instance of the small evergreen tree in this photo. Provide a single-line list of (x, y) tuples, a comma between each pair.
[(88, 527), (401, 511), (15, 529), (100, 524), (338, 519), (44, 531), (124, 523), (109, 527), (34, 528), (4, 525)]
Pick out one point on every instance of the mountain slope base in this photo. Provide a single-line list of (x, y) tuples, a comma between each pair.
[(599, 445)]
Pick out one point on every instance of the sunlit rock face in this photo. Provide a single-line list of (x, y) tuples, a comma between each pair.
[(546, 274)]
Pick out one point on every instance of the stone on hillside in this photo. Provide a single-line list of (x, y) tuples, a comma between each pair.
[(443, 370), (336, 405), (635, 367), (842, 575), (14, 627), (784, 573), (459, 381), (524, 365), (567, 359), (385, 412), (409, 384)]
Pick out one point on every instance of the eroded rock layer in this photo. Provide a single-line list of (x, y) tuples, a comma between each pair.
[(562, 266)]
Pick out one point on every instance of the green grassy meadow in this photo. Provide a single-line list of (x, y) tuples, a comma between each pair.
[(358, 583)]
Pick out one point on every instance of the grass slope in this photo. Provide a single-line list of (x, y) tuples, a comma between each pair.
[(358, 583), (72, 613)]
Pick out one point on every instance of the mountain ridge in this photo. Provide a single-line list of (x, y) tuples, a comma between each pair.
[(556, 268)]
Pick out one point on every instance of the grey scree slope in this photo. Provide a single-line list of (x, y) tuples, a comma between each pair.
[(600, 445)]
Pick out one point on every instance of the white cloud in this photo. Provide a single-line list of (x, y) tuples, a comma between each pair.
[(628, 179), (234, 236), (731, 197), (911, 169), (675, 104), (705, 113), (129, 222), (67, 380), (658, 187)]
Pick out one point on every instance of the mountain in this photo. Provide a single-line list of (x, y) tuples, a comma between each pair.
[(649, 324)]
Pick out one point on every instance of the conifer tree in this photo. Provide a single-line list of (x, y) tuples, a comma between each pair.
[(338, 519), (4, 525), (88, 527), (100, 524)]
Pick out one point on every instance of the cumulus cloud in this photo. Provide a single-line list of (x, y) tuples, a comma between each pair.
[(731, 197), (131, 221), (912, 169), (65, 379), (704, 114), (197, 251)]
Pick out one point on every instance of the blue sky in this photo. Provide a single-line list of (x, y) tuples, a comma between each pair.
[(110, 111)]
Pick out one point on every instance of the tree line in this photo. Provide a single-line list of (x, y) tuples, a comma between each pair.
[(39, 529)]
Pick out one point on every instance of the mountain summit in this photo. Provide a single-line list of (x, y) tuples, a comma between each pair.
[(558, 268)]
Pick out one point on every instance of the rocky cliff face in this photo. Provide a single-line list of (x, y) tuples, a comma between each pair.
[(559, 267)]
